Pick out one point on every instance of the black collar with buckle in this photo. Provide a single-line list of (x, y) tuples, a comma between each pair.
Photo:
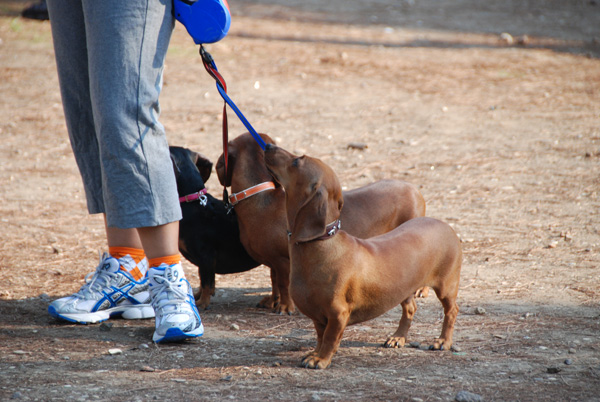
[(330, 231)]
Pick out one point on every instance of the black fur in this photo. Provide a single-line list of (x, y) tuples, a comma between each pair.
[(209, 237)]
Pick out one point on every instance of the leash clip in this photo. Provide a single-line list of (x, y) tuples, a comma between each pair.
[(203, 200), (228, 204)]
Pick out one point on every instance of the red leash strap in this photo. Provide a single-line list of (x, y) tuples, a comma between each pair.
[(211, 68)]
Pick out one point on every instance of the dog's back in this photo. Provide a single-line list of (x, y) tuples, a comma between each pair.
[(379, 207)]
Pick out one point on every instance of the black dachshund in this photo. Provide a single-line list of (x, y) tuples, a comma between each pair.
[(209, 237)]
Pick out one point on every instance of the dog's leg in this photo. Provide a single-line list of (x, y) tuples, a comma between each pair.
[(207, 273), (203, 295), (447, 295), (398, 339), (331, 338), (285, 303), (271, 301), (444, 342), (320, 328)]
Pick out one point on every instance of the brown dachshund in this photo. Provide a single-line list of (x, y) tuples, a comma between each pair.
[(371, 210), (339, 280)]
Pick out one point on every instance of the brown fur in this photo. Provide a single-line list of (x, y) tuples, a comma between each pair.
[(344, 280), (371, 210)]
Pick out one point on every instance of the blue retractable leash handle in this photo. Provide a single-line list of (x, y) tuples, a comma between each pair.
[(207, 21)]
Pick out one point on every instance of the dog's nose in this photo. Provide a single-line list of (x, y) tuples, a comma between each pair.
[(268, 147)]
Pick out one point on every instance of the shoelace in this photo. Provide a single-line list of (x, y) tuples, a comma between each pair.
[(160, 293), (100, 279)]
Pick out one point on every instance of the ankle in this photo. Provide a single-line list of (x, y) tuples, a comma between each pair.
[(168, 260)]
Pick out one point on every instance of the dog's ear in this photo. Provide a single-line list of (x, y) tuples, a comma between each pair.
[(203, 165), (310, 219), (267, 139), (220, 168)]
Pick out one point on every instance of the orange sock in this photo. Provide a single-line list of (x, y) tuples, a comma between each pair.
[(169, 260), (132, 260)]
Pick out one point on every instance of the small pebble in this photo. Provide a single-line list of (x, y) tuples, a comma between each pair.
[(553, 370), (234, 327), (148, 369), (357, 145), (143, 346), (507, 38), (572, 351), (179, 380), (227, 378), (568, 362), (16, 395), (480, 311), (465, 396), (523, 40), (106, 326), (115, 351), (415, 345), (455, 348)]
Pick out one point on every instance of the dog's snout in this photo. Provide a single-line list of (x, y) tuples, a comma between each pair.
[(268, 147)]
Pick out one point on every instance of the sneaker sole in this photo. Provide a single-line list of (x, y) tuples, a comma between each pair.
[(129, 313), (177, 335)]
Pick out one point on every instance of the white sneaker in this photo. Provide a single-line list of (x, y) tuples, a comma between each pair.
[(110, 292), (177, 317)]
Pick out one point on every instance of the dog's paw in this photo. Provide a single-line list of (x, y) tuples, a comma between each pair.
[(202, 300), (395, 342), (441, 344), (422, 292), (281, 309), (267, 302), (313, 361)]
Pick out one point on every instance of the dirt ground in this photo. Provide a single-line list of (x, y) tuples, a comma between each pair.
[(501, 134)]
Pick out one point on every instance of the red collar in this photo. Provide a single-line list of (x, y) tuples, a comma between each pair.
[(194, 196), (249, 192)]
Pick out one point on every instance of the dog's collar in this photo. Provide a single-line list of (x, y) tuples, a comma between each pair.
[(249, 192), (330, 231), (200, 195)]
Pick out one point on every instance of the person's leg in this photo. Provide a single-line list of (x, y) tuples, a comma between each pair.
[(90, 303), (177, 317), (159, 241)]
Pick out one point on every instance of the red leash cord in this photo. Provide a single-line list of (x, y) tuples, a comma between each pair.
[(211, 68)]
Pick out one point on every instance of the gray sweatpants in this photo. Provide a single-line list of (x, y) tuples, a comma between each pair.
[(110, 56)]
